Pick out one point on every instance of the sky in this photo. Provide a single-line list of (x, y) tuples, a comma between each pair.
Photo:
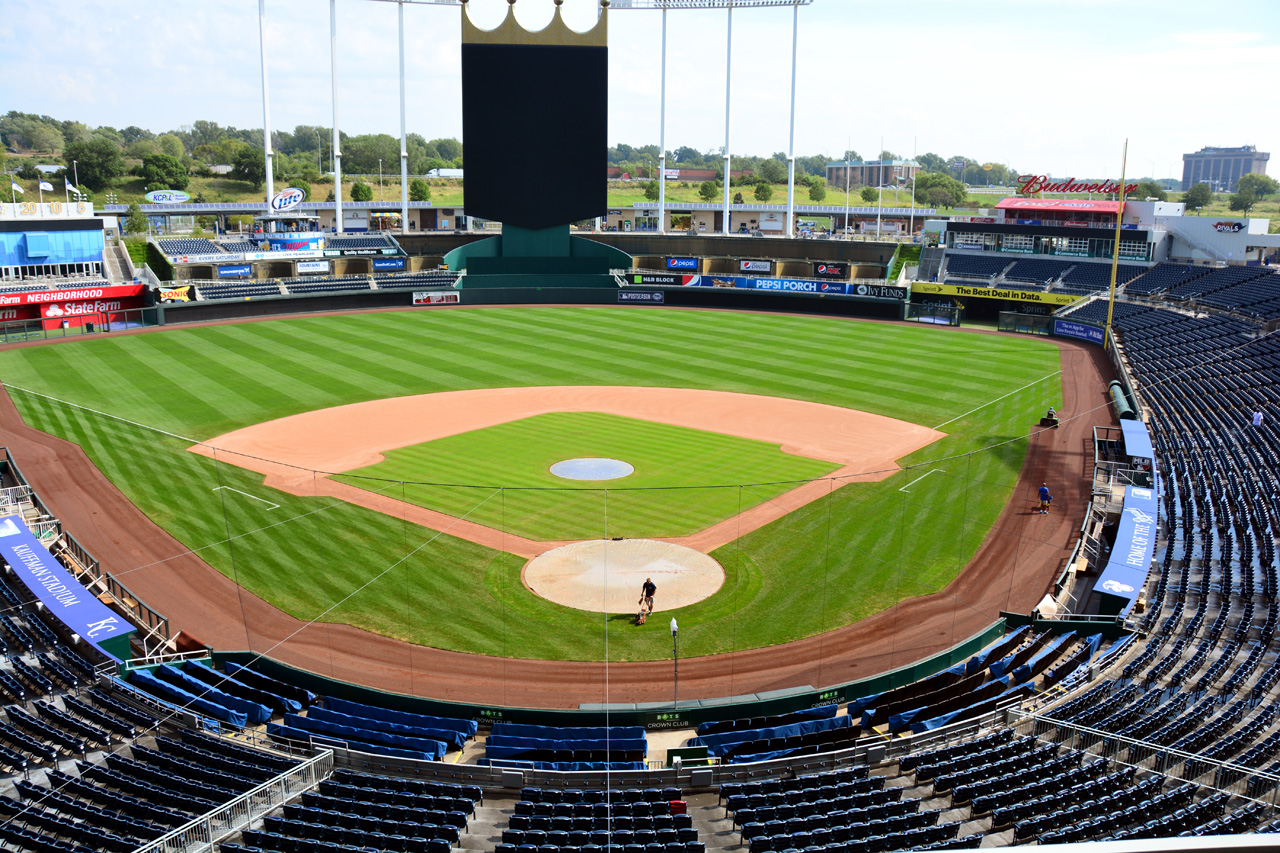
[(1044, 86)]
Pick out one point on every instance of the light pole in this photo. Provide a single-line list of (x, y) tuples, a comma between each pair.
[(675, 666), (319, 162), (379, 179), (75, 168)]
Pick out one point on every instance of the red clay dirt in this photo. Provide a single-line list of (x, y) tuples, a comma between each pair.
[(343, 438), (1012, 570)]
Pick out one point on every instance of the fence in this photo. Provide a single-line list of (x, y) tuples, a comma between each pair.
[(16, 331), (1224, 776), (208, 829)]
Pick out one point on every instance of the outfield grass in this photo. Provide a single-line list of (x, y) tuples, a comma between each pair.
[(836, 560), (539, 505)]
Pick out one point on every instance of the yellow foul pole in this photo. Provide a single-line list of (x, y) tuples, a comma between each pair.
[(1115, 254)]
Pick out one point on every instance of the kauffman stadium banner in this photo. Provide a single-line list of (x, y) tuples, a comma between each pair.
[(68, 601)]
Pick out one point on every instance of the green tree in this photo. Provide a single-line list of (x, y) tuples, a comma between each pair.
[(301, 185), (772, 171), (134, 220), (1260, 185), (737, 198), (930, 162), (447, 149), (951, 193), (250, 165), (162, 171), (1243, 201), (764, 192), (817, 190), (96, 160), (360, 191), (419, 190), (868, 194), (170, 144), (28, 171), (1149, 189), (1198, 196), (707, 192), (652, 191)]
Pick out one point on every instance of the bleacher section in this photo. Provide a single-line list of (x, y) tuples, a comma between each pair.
[(1037, 270), (974, 266), (175, 247), (1257, 297), (238, 247), (350, 243), (566, 748), (298, 286), (433, 278), (575, 820), (1095, 311), (1216, 280), (237, 290), (1091, 277), (1164, 277)]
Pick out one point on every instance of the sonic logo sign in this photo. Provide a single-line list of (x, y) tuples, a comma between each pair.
[(1228, 227), (287, 199)]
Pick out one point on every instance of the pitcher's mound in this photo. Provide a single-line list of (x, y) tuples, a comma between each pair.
[(606, 575)]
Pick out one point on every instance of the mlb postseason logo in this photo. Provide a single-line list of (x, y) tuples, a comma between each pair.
[(640, 296), (682, 263)]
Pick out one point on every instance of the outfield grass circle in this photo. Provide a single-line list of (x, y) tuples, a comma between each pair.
[(605, 575), (592, 468)]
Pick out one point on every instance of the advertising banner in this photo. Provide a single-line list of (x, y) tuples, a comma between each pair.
[(830, 270), (1079, 331), (388, 263), (313, 266), (209, 258), (770, 221), (994, 293), (1126, 570), (176, 294), (436, 297), (666, 279), (237, 271), (640, 296), (64, 598), (61, 310), (41, 296), (755, 266), (307, 241), (24, 312), (824, 288), (682, 263), (167, 197)]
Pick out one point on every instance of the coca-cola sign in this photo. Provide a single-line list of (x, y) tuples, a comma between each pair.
[(1032, 184)]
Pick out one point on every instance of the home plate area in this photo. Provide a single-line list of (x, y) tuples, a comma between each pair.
[(605, 575)]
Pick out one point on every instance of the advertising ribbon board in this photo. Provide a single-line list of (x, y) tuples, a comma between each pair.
[(650, 296), (436, 297), (755, 266), (1079, 331), (682, 263), (110, 291), (237, 271), (831, 270), (313, 266), (877, 292), (388, 263), (930, 288), (68, 601), (667, 279)]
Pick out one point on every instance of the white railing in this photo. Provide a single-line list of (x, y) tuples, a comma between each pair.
[(14, 496), (208, 829)]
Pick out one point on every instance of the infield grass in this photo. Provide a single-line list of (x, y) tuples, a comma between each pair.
[(539, 505), (836, 560)]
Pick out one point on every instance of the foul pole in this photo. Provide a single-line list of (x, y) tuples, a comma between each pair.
[(1115, 254)]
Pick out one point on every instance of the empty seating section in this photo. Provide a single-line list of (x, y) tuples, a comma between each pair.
[(974, 266), (574, 820), (1090, 277), (1258, 297), (176, 247), (1037, 270), (237, 290), (1163, 277), (566, 748), (1215, 280), (1095, 310), (363, 242), (238, 247), (346, 283), (433, 278)]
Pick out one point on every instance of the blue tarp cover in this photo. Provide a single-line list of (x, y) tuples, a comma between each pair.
[(820, 712), (150, 684), (359, 746), (569, 732), (456, 739), (562, 766), (1027, 670), (404, 718), (1137, 441), (966, 712), (996, 650), (722, 742), (1130, 561), (432, 748), (901, 721), (210, 676), (254, 713)]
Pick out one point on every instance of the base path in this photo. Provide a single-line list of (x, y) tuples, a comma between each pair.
[(1012, 570), (344, 438)]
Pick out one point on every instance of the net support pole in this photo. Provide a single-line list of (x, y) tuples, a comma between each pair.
[(662, 132), (404, 148), (728, 89), (1115, 253), (337, 149), (266, 103), (791, 139)]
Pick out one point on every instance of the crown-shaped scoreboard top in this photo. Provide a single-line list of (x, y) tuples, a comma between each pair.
[(557, 33)]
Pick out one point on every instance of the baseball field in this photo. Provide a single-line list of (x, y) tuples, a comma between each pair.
[(137, 404)]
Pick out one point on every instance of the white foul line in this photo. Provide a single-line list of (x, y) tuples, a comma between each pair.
[(921, 477), (998, 399), (247, 495)]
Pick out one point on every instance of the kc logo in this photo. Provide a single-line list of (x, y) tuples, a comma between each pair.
[(1116, 586)]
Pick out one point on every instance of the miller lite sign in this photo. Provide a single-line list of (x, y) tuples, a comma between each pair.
[(287, 199)]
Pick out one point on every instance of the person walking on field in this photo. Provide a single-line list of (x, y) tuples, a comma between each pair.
[(1045, 498), (647, 591)]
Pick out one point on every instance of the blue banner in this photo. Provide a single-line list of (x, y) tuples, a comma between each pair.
[(237, 271), (1079, 331), (72, 604), (682, 263), (789, 285), (388, 263), (1126, 570)]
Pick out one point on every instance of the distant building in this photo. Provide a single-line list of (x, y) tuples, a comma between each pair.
[(870, 173), (1220, 168)]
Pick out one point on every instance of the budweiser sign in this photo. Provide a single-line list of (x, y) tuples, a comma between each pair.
[(1032, 184)]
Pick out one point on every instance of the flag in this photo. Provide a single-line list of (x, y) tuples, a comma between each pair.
[(71, 187), (45, 185), (17, 188)]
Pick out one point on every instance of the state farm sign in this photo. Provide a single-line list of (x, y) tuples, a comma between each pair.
[(38, 297), (59, 310)]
